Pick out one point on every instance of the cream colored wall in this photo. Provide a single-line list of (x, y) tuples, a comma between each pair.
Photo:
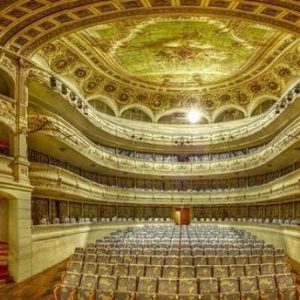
[(51, 245), (3, 220)]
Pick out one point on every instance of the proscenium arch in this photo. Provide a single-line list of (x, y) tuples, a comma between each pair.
[(30, 46)]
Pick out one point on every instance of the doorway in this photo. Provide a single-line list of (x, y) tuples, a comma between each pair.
[(182, 216)]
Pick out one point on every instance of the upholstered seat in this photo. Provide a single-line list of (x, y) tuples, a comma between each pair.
[(203, 271), (126, 288), (249, 288), (171, 260), (106, 287), (229, 289), (252, 270), (287, 287), (105, 269), (89, 268), (103, 259), (236, 270), (147, 288), (121, 270), (254, 259), (116, 259), (129, 259), (77, 257), (186, 261), (213, 260), (241, 260), (90, 250), (220, 271), (87, 285), (188, 289), (267, 287), (74, 267), (167, 289), (267, 269), (187, 272), (157, 260), (208, 288), (143, 259), (170, 271), (153, 271), (136, 270), (281, 268), (200, 260), (227, 260), (68, 287)]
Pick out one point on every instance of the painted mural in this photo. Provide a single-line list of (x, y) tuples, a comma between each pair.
[(175, 52)]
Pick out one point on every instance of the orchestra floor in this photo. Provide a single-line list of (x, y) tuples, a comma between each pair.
[(38, 287)]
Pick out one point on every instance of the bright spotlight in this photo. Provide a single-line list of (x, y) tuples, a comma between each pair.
[(193, 116)]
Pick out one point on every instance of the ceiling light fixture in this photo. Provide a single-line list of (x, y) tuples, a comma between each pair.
[(193, 116)]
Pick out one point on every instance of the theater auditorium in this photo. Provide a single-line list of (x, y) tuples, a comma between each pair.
[(149, 150)]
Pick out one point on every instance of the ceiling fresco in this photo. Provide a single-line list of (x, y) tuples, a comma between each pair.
[(180, 52), (166, 65)]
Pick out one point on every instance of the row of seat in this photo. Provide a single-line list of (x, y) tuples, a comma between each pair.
[(267, 287), (170, 255), (140, 270), (181, 251), (274, 221), (179, 260)]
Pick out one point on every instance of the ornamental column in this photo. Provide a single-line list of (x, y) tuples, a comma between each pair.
[(20, 234), (20, 140)]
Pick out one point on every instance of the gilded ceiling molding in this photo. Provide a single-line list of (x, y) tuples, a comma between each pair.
[(53, 181), (65, 133), (93, 77), (26, 25)]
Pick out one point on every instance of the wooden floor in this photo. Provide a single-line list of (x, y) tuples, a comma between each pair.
[(38, 287)]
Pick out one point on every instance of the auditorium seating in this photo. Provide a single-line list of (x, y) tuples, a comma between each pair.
[(73, 221), (178, 262)]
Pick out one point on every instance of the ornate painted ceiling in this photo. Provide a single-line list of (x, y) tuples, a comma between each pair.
[(161, 56)]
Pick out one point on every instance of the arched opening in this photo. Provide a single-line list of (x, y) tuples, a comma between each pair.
[(4, 141), (179, 118), (102, 107), (263, 107), (6, 85), (231, 114), (135, 114)]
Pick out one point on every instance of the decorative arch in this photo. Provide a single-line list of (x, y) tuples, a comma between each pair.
[(138, 112), (228, 113), (178, 116), (104, 105), (261, 105), (7, 84)]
